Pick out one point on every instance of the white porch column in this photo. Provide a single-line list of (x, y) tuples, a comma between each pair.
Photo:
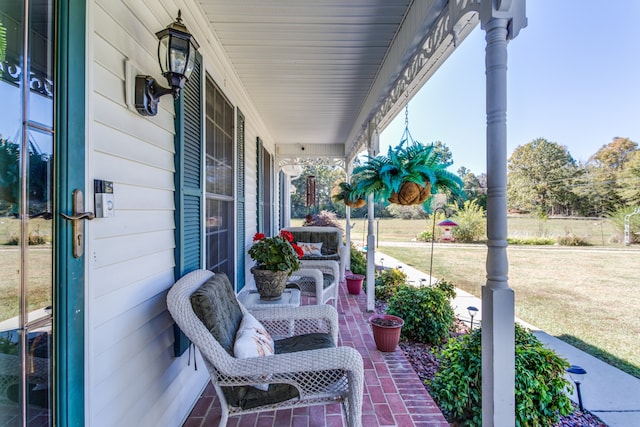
[(371, 256), (501, 20), (373, 144), (286, 200)]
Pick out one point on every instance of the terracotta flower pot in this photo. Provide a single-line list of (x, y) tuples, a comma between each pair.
[(386, 331), (354, 283)]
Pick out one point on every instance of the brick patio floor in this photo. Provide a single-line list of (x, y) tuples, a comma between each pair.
[(393, 393)]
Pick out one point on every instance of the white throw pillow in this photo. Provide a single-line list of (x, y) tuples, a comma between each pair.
[(314, 249), (253, 340)]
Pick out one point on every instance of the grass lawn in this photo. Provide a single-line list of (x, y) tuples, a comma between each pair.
[(584, 296), (587, 296), (595, 231), (39, 260)]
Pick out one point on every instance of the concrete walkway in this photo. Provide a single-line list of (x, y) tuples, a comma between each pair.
[(609, 393)]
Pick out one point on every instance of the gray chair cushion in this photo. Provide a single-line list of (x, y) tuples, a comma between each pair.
[(307, 282), (304, 342), (216, 306), (329, 257), (248, 397)]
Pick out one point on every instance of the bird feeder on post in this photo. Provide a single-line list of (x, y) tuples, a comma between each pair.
[(447, 225)]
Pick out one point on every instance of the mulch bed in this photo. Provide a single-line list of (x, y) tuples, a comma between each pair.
[(426, 365)]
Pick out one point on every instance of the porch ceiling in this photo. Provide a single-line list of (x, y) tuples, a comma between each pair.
[(319, 70)]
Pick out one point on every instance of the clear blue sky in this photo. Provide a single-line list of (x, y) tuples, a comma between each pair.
[(573, 78)]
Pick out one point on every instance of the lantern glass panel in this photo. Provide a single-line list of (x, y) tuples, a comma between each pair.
[(178, 55), (163, 57), (191, 62)]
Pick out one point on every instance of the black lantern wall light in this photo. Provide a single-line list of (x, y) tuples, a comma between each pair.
[(176, 55)]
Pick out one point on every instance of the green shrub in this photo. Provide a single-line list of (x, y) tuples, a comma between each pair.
[(572, 240), (447, 287), (387, 283), (35, 238), (358, 261), (540, 382), (424, 236), (531, 241), (427, 313), (471, 222)]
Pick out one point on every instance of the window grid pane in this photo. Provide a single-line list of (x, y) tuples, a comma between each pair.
[(219, 175)]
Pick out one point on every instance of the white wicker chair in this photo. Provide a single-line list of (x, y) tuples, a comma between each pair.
[(320, 376), (312, 280)]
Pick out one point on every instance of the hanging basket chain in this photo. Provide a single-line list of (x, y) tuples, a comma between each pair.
[(406, 135)]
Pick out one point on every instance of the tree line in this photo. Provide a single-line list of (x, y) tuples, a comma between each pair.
[(543, 179), (546, 180)]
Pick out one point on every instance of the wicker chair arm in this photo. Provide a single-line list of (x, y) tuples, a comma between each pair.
[(326, 266), (290, 364)]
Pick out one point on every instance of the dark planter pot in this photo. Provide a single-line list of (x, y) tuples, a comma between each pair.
[(270, 284), (386, 331), (354, 283)]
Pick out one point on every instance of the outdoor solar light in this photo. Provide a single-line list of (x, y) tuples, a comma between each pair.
[(472, 312), (176, 55), (577, 374)]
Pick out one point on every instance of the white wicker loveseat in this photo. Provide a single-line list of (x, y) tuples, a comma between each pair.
[(332, 248), (314, 376)]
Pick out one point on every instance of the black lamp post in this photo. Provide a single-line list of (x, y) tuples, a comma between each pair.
[(176, 55), (472, 312), (433, 237), (577, 374)]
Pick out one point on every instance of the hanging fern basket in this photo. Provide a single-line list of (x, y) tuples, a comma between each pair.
[(411, 194)]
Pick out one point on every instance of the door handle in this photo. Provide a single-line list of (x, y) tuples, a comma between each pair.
[(76, 219), (81, 215)]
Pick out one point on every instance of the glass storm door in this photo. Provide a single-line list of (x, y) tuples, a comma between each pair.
[(26, 212)]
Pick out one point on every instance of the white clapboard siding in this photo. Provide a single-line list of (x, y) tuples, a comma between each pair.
[(133, 377), (113, 277)]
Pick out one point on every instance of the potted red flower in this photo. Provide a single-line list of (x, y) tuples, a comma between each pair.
[(276, 258)]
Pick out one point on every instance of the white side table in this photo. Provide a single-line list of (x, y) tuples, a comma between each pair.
[(251, 299)]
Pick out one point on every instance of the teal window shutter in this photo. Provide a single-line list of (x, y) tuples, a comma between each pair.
[(188, 183), (240, 201), (260, 186)]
